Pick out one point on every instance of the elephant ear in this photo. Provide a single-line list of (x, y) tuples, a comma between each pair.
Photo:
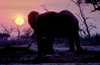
[(32, 17)]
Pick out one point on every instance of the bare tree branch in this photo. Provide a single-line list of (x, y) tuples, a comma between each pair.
[(7, 30)]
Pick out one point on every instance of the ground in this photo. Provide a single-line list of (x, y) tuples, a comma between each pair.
[(21, 54)]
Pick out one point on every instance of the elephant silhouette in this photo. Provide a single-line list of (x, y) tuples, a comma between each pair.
[(49, 25)]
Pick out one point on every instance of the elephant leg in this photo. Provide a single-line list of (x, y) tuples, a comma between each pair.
[(50, 40), (45, 46), (41, 44), (77, 42), (71, 44)]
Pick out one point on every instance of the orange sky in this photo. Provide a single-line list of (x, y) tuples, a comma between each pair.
[(9, 9)]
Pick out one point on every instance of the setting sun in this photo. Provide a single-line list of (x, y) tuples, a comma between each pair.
[(19, 20)]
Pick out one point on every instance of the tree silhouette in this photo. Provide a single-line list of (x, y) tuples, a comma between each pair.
[(78, 3), (7, 30), (95, 3), (86, 30)]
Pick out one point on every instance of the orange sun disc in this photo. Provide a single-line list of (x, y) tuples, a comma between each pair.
[(19, 20)]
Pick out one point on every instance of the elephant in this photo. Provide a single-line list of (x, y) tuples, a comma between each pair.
[(50, 25)]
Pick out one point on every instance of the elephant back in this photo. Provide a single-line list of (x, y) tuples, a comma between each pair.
[(68, 19), (45, 22)]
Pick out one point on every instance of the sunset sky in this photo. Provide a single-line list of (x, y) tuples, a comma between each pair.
[(10, 9)]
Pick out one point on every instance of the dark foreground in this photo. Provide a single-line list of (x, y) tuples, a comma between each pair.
[(26, 55)]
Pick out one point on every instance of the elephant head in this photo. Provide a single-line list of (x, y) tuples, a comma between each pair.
[(32, 17)]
